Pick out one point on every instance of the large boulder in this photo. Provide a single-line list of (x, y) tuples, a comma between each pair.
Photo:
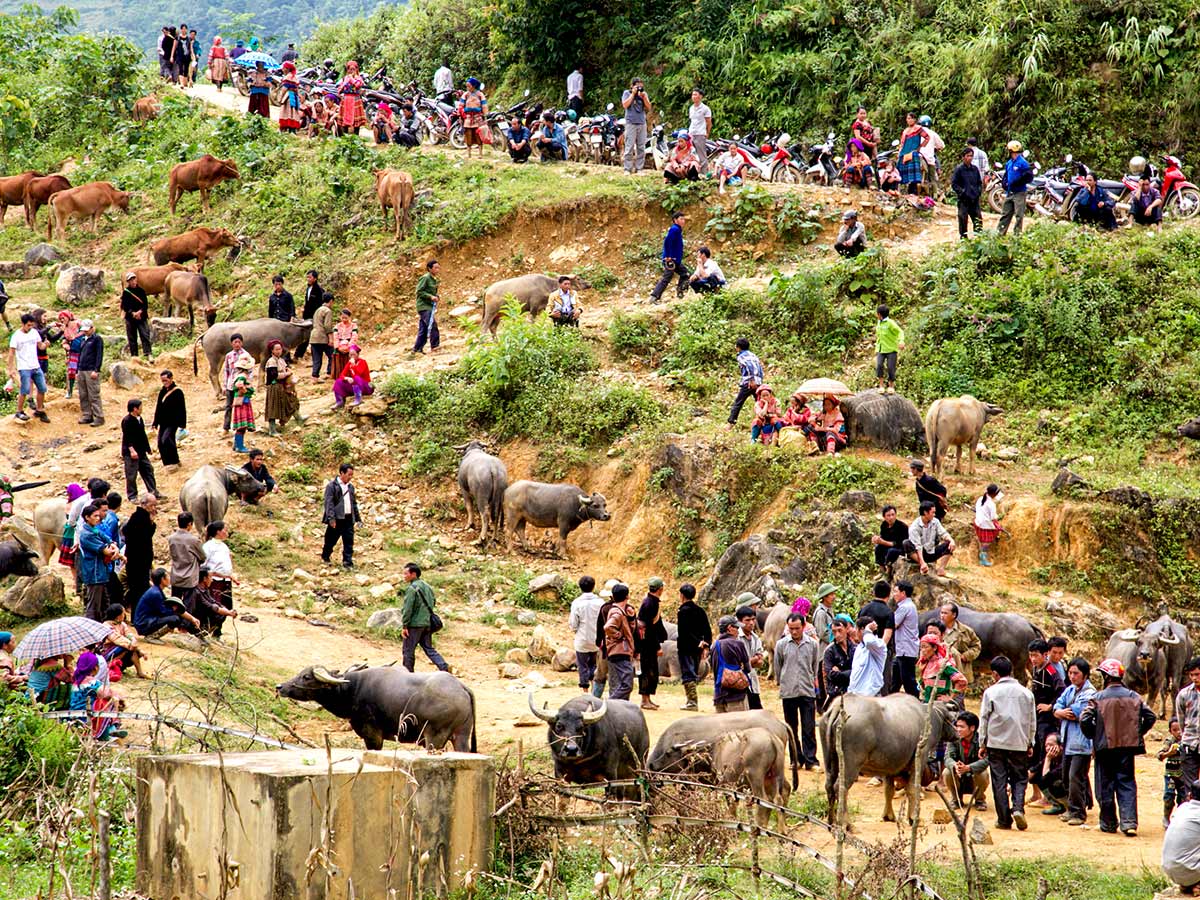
[(564, 660), (78, 284), (13, 269), (386, 618), (887, 421), (1067, 482), (541, 645), (750, 565), (930, 591), (163, 328), (42, 254), (31, 597), (123, 376)]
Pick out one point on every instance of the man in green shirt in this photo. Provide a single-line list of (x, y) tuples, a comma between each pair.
[(889, 340), (427, 299), (417, 618)]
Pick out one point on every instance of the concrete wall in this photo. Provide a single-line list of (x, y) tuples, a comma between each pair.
[(248, 832)]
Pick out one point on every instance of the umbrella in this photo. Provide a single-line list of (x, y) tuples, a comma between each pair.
[(827, 386), (256, 56), (59, 636)]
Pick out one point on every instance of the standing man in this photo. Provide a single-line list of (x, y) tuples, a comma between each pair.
[(699, 127), (637, 106), (619, 643), (870, 656), (427, 301), (314, 296), (797, 657), (961, 640), (889, 341), (290, 54), (1187, 711), (1007, 726), (928, 488), (1058, 654), (187, 556), (582, 621), (967, 184), (136, 308), (729, 654), (1116, 720), (164, 58), (135, 451), (878, 610), (747, 623), (837, 662), (672, 260), (417, 616), (575, 91), (822, 617), (340, 515), (229, 372), (280, 305), (1046, 685), (695, 637), (1017, 175), (170, 418), (139, 547), (24, 368), (443, 82), (651, 633), (750, 376), (319, 337), (91, 357), (907, 639)]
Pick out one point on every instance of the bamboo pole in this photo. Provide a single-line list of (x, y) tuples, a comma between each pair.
[(103, 849)]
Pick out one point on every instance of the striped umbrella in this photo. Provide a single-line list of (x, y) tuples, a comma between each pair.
[(256, 56), (59, 636)]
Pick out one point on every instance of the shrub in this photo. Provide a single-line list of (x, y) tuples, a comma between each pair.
[(640, 337)]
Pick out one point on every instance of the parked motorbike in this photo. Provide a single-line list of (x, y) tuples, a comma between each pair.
[(822, 169)]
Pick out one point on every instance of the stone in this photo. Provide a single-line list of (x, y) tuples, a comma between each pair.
[(517, 655), (526, 617), (163, 328), (77, 284), (292, 613), (563, 660), (510, 670), (465, 310), (386, 618), (29, 598), (859, 501), (13, 269), (301, 575), (941, 816), (373, 407), (123, 376), (1067, 482), (528, 720), (740, 569), (381, 590), (361, 580), (1008, 454), (42, 254), (980, 833), (541, 645), (551, 583), (1127, 495), (887, 421), (1081, 620)]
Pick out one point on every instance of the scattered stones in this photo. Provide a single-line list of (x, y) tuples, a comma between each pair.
[(31, 597), (13, 269), (381, 590), (162, 328), (372, 407), (564, 660), (1126, 495), (510, 670), (292, 613), (541, 645), (517, 655), (859, 501), (548, 584), (1067, 482), (1008, 453), (76, 284), (123, 376), (528, 720), (941, 816), (526, 617), (42, 255), (301, 575), (360, 579), (980, 833), (386, 618)]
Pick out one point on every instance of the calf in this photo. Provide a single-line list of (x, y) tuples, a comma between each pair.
[(198, 244), (188, 289), (38, 192), (152, 279), (201, 175), (85, 201), (12, 190), (395, 189), (145, 109)]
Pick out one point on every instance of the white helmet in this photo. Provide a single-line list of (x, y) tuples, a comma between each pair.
[(1137, 165)]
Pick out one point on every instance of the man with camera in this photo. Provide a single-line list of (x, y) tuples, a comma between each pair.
[(637, 108)]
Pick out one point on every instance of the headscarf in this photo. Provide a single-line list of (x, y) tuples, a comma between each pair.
[(940, 650), (86, 665), (74, 492), (352, 66), (834, 400), (241, 43), (474, 82), (385, 107), (802, 606), (253, 43), (354, 348), (5, 637), (217, 41), (289, 66), (270, 347)]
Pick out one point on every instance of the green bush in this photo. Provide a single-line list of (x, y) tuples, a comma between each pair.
[(26, 739), (431, 458), (640, 337), (299, 474)]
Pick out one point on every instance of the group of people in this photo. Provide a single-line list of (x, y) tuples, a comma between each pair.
[(178, 54)]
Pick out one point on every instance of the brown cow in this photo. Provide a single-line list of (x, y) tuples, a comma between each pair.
[(201, 175), (151, 278), (395, 189), (188, 288), (197, 244), (38, 192), (146, 108), (12, 190), (90, 199)]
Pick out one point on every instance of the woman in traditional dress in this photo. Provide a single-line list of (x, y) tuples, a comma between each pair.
[(353, 116), (289, 111), (355, 379), (914, 138), (474, 115), (282, 402), (218, 64), (260, 90)]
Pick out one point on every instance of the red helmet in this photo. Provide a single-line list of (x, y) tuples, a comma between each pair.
[(1173, 161), (766, 148)]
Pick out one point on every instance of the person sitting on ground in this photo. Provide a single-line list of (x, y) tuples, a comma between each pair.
[(518, 141), (889, 178), (1095, 205), (729, 169), (1181, 845), (121, 645), (766, 416), (682, 164), (551, 141), (852, 238), (384, 126), (708, 275), (1147, 204), (408, 127), (258, 468), (889, 543), (90, 691), (156, 612), (564, 303), (10, 678), (930, 541), (798, 415), (966, 772), (858, 169), (207, 607), (987, 522), (829, 430), (355, 379)]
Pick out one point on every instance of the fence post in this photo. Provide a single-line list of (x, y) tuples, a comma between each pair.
[(842, 817), (755, 871), (105, 886)]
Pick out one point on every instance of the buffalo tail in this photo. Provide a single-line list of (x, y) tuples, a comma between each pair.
[(474, 746)]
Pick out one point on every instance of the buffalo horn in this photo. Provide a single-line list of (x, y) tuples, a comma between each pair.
[(1127, 634), (583, 499), (1167, 637), (591, 716), (322, 674), (357, 667), (541, 713)]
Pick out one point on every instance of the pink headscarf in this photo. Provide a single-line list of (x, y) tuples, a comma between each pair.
[(802, 606), (74, 492)]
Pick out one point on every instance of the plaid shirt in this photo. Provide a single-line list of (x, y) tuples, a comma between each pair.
[(1187, 710), (750, 369)]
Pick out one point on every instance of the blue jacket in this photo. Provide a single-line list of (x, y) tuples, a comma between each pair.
[(1017, 175), (1069, 733), (1092, 199), (111, 526), (555, 134), (673, 243), (151, 606), (92, 567)]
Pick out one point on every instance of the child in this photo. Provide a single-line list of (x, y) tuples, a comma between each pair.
[(889, 178), (987, 522), (965, 773), (90, 692), (766, 416), (71, 342), (1174, 791), (729, 167), (889, 341), (243, 412)]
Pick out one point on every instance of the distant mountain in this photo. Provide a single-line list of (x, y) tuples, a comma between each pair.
[(275, 22)]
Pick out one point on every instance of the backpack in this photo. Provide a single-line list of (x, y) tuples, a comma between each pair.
[(727, 678)]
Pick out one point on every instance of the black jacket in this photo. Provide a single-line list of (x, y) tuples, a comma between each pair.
[(170, 411), (313, 295), (281, 306), (133, 436), (694, 628), (333, 502), (134, 300), (654, 632), (837, 683), (139, 541), (929, 488), (966, 182), (265, 477), (91, 354)]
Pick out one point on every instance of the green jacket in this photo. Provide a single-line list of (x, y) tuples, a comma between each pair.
[(888, 336), (427, 289), (418, 605)]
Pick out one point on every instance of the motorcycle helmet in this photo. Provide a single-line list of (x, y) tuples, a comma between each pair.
[(1173, 161), (925, 121), (1137, 165), (679, 134), (572, 115), (765, 149), (1014, 147), (329, 64)]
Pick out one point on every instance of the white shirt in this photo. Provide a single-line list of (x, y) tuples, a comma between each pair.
[(698, 113), (76, 508), (932, 146), (563, 302), (25, 343), (980, 161), (575, 85), (347, 512), (985, 513), (730, 162), (866, 671), (217, 558), (708, 267), (582, 620), (1181, 844), (443, 80)]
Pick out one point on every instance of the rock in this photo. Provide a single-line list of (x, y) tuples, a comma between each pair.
[(465, 310), (740, 569), (123, 376), (517, 655), (13, 269), (541, 645), (301, 575), (386, 618), (292, 613), (163, 328), (77, 284), (1008, 453), (564, 660), (941, 816), (381, 590), (1126, 495), (859, 501), (373, 407), (526, 617), (887, 421), (1081, 620), (42, 255), (361, 580), (547, 585), (31, 597), (980, 833), (510, 670), (1067, 482), (528, 720)]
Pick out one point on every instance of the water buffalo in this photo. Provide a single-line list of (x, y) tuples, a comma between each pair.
[(206, 493), (188, 289), (431, 709), (394, 189), (880, 738), (49, 518), (1143, 654), (594, 740), (1176, 645), (201, 175), (198, 244), (685, 747), (482, 479), (668, 663), (256, 334), (17, 559), (756, 759), (12, 190), (152, 279), (531, 291), (773, 629), (38, 192), (953, 422), (1000, 634), (561, 506), (1189, 429)]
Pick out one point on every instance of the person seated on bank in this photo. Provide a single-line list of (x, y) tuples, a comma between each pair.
[(682, 163), (729, 169), (564, 303), (518, 141), (1095, 205), (929, 541), (1147, 204), (798, 415), (889, 178), (708, 275), (889, 543), (551, 141), (384, 125), (852, 239), (829, 430), (408, 127)]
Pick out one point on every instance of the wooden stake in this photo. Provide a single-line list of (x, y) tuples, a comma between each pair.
[(105, 888)]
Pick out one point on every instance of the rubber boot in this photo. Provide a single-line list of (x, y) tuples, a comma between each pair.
[(689, 688), (239, 442), (597, 688), (70, 388), (271, 429), (983, 558)]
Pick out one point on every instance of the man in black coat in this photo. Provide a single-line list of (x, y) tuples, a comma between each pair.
[(91, 358), (967, 185), (695, 637), (929, 488), (650, 635), (256, 467), (139, 547), (314, 294), (135, 452), (135, 306), (340, 514), (280, 305)]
